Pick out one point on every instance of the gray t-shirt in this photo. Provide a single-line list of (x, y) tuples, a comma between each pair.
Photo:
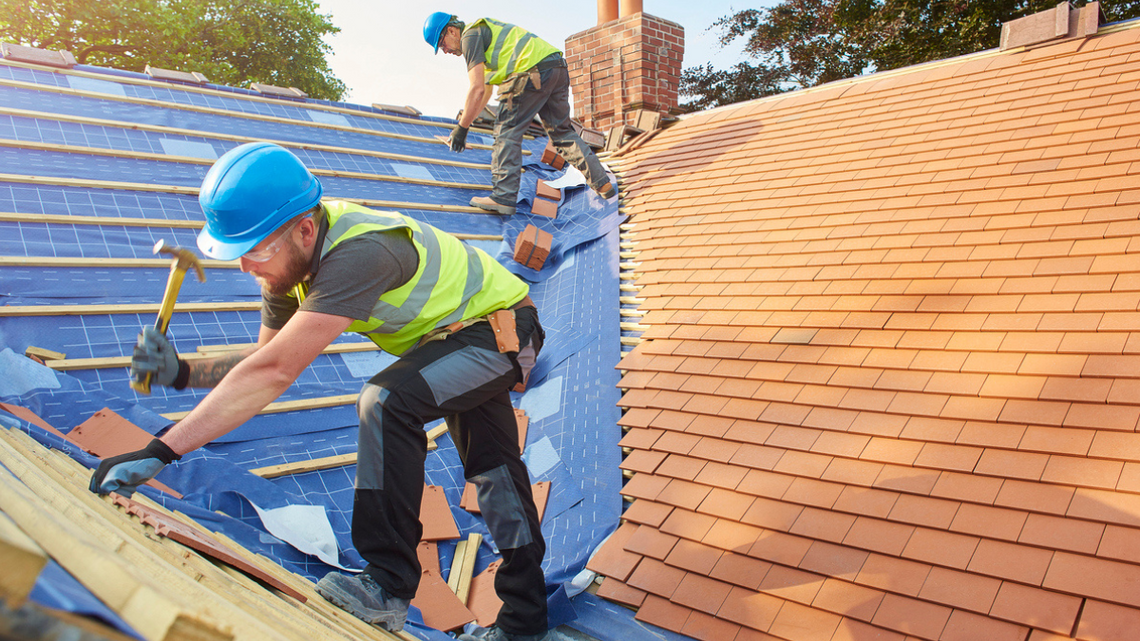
[(350, 278), (474, 43)]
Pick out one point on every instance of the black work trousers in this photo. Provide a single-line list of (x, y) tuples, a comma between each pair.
[(519, 102), (465, 379)]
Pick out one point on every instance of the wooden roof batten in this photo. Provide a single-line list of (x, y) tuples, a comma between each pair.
[(51, 60), (892, 421), (289, 93)]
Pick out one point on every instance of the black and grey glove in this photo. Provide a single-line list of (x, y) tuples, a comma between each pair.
[(126, 472), (458, 139), (155, 355)]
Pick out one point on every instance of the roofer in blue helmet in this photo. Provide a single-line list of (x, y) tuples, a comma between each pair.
[(532, 79), (463, 326)]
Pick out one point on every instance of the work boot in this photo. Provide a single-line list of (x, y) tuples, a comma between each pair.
[(361, 596), (606, 191), (494, 633), (485, 202)]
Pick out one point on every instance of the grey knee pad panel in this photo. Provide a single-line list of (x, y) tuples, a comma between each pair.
[(502, 508), (370, 442)]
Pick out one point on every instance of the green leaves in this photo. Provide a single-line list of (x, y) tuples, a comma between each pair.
[(232, 42), (804, 43), (797, 43)]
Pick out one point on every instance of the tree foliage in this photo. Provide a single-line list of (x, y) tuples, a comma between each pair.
[(233, 42), (804, 43)]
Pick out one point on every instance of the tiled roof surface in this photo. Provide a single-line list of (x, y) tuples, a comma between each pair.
[(889, 384)]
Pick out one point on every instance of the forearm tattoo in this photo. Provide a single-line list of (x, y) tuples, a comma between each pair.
[(210, 372)]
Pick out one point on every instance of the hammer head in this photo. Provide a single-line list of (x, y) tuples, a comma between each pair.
[(184, 259)]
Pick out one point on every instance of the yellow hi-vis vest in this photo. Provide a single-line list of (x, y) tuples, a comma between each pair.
[(513, 49), (453, 281)]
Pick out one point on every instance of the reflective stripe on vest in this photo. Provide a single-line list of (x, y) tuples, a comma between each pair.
[(525, 49), (453, 281)]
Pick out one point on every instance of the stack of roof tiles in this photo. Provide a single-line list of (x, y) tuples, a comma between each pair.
[(891, 382)]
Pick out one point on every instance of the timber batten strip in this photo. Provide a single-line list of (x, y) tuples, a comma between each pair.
[(203, 352), (74, 261), (463, 566), (68, 219), (148, 308), (289, 406), (160, 129), (192, 160), (174, 106), (328, 462), (102, 221), (335, 348), (145, 82), (300, 467), (193, 191), (147, 102), (314, 106)]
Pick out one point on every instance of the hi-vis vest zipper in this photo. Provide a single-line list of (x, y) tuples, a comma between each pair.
[(513, 49), (454, 281)]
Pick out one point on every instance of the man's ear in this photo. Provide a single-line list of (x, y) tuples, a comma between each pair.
[(308, 228)]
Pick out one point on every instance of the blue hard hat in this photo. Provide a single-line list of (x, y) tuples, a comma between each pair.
[(248, 193), (434, 26)]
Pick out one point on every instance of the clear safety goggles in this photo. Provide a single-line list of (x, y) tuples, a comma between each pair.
[(270, 250)]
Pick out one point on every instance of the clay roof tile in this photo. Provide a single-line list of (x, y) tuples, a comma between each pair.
[(890, 375)]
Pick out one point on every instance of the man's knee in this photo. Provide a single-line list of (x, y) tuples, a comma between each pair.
[(371, 399), (502, 508), (381, 402), (370, 442), (389, 390)]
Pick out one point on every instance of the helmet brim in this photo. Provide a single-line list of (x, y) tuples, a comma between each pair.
[(221, 249)]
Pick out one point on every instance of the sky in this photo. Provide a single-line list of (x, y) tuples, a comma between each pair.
[(381, 55)]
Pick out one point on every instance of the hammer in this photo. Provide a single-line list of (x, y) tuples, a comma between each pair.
[(184, 259)]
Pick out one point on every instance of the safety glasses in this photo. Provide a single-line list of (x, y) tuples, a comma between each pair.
[(270, 250)]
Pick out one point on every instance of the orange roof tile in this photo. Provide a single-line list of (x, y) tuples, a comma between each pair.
[(615, 590), (888, 388), (686, 523)]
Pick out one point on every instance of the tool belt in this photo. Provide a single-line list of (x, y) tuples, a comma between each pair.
[(502, 322), (516, 83)]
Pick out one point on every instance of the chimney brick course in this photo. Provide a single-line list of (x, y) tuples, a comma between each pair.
[(625, 65)]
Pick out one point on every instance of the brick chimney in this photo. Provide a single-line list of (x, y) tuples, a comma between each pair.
[(628, 62)]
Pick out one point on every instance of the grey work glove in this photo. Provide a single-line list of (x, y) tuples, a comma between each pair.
[(458, 139), (154, 355), (126, 472)]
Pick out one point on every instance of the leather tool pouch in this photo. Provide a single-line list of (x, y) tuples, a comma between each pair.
[(506, 337), (515, 85)]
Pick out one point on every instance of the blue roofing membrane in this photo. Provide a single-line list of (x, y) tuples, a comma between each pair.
[(571, 400)]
